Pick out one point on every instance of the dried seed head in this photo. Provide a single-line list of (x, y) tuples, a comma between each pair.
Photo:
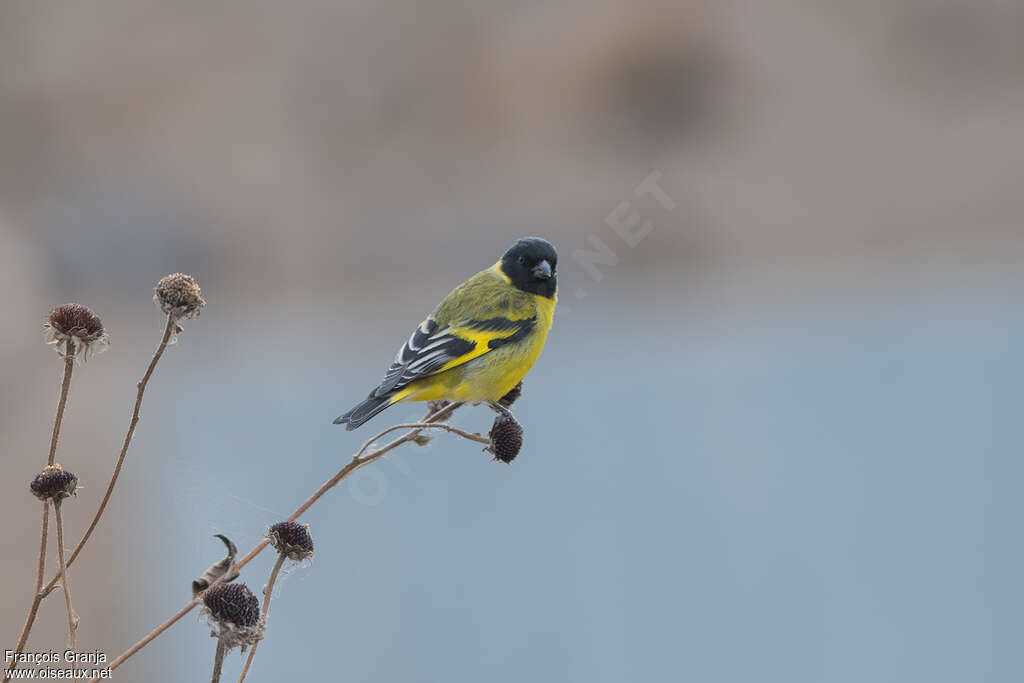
[(232, 602), (178, 295), (292, 540), (235, 611), (506, 438), (79, 325), (508, 399), (75, 320), (54, 483)]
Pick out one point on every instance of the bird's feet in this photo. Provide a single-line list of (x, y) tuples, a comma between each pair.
[(502, 410)]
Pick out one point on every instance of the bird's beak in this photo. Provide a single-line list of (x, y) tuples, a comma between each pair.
[(542, 271)]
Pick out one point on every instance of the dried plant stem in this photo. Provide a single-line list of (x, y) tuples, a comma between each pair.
[(69, 366), (432, 421), (267, 592), (38, 597), (57, 502), (65, 386), (153, 634), (418, 426), (42, 550), (218, 661), (358, 460), (141, 386)]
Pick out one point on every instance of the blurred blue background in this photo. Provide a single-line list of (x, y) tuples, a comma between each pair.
[(774, 439)]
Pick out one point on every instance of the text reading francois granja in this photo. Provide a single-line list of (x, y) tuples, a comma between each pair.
[(58, 665)]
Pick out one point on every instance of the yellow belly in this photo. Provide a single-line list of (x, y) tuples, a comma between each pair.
[(487, 377)]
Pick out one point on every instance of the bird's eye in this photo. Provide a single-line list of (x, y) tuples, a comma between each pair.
[(521, 260)]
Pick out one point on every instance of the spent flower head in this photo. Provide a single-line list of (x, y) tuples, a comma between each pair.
[(506, 438), (179, 296), (292, 540), (235, 612), (54, 483), (78, 325)]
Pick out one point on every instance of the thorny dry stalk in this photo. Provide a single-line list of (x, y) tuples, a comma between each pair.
[(69, 366), (65, 587), (432, 421), (267, 592), (141, 386)]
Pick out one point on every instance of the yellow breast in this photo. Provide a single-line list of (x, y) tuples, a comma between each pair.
[(491, 375)]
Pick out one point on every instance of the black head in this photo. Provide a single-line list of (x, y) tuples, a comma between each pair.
[(530, 265)]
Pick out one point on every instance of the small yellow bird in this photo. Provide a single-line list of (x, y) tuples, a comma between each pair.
[(480, 341)]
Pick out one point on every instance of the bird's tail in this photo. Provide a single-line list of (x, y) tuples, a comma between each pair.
[(364, 411)]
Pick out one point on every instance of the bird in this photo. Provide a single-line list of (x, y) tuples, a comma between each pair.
[(480, 341)]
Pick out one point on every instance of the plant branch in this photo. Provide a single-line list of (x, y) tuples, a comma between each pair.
[(37, 598), (65, 387), (218, 661), (431, 421), (267, 592), (69, 366), (57, 502), (471, 436), (153, 634), (168, 332)]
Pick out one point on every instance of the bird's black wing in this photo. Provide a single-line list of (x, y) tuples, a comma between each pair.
[(426, 351), (432, 348)]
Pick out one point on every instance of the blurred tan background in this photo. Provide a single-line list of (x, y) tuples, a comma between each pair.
[(328, 170)]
